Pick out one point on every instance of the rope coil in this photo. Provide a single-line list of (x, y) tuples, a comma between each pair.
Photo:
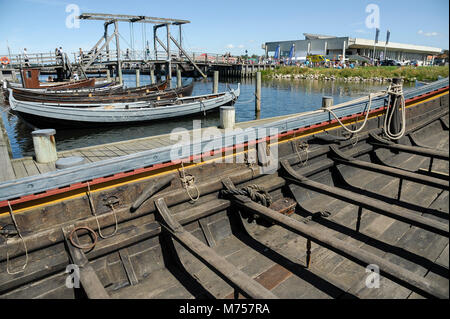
[(395, 90), (188, 181), (91, 205), (255, 192), (304, 146), (77, 245)]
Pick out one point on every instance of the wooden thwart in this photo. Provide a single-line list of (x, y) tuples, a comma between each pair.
[(369, 203), (356, 254), (222, 267), (423, 151), (340, 157)]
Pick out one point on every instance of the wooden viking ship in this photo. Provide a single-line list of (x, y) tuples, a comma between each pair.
[(305, 210)]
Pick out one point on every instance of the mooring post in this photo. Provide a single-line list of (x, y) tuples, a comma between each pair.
[(258, 93), (327, 102), (45, 145), (227, 117), (178, 77), (138, 78), (216, 82)]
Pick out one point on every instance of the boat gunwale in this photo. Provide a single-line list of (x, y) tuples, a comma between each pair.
[(34, 195)]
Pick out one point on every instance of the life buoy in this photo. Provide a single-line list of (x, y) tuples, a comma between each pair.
[(5, 60)]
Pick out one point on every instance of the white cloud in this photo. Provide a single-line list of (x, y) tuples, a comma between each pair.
[(427, 34), (230, 46), (360, 31), (241, 46)]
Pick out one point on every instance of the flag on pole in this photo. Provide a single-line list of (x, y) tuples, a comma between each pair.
[(292, 52), (388, 34), (377, 33), (277, 52)]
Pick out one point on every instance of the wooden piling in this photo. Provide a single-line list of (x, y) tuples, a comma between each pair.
[(138, 78), (216, 82), (152, 76), (178, 77), (258, 93)]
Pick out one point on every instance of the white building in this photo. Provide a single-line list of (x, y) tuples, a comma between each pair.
[(358, 48)]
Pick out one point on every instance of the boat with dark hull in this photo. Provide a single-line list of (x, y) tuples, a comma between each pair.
[(102, 91), (153, 92), (306, 211)]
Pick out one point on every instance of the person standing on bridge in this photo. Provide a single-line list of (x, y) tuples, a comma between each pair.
[(25, 57), (80, 56)]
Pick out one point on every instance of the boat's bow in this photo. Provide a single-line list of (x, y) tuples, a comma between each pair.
[(236, 92)]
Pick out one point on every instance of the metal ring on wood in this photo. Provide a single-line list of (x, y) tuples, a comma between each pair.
[(86, 247)]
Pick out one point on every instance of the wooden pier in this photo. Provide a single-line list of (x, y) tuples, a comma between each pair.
[(6, 172), (27, 166)]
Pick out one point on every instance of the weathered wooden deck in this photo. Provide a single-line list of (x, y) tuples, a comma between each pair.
[(26, 166), (6, 172)]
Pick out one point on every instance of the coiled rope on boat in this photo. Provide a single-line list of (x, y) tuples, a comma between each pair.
[(367, 110), (91, 205), (255, 192), (188, 181), (396, 91)]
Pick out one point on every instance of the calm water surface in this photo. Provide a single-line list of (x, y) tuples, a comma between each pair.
[(278, 97)]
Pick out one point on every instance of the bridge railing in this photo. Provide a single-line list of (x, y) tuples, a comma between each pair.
[(49, 58), (32, 59)]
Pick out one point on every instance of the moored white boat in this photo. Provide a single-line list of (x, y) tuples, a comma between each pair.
[(115, 113)]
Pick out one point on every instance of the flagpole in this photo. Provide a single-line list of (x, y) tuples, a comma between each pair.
[(375, 42), (388, 33)]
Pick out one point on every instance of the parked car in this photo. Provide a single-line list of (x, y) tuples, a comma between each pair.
[(390, 63), (416, 63)]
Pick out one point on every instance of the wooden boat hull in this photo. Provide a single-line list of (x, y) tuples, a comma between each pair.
[(116, 96), (93, 92), (119, 113), (336, 205)]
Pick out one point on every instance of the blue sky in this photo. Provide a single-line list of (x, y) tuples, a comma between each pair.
[(222, 26)]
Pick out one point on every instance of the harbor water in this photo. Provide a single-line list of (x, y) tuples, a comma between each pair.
[(278, 97)]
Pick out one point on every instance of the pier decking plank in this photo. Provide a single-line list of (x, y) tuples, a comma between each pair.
[(7, 172), (19, 169), (31, 167)]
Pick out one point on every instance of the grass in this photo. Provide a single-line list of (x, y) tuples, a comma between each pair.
[(408, 73)]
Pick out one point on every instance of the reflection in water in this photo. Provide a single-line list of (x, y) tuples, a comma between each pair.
[(278, 97)]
